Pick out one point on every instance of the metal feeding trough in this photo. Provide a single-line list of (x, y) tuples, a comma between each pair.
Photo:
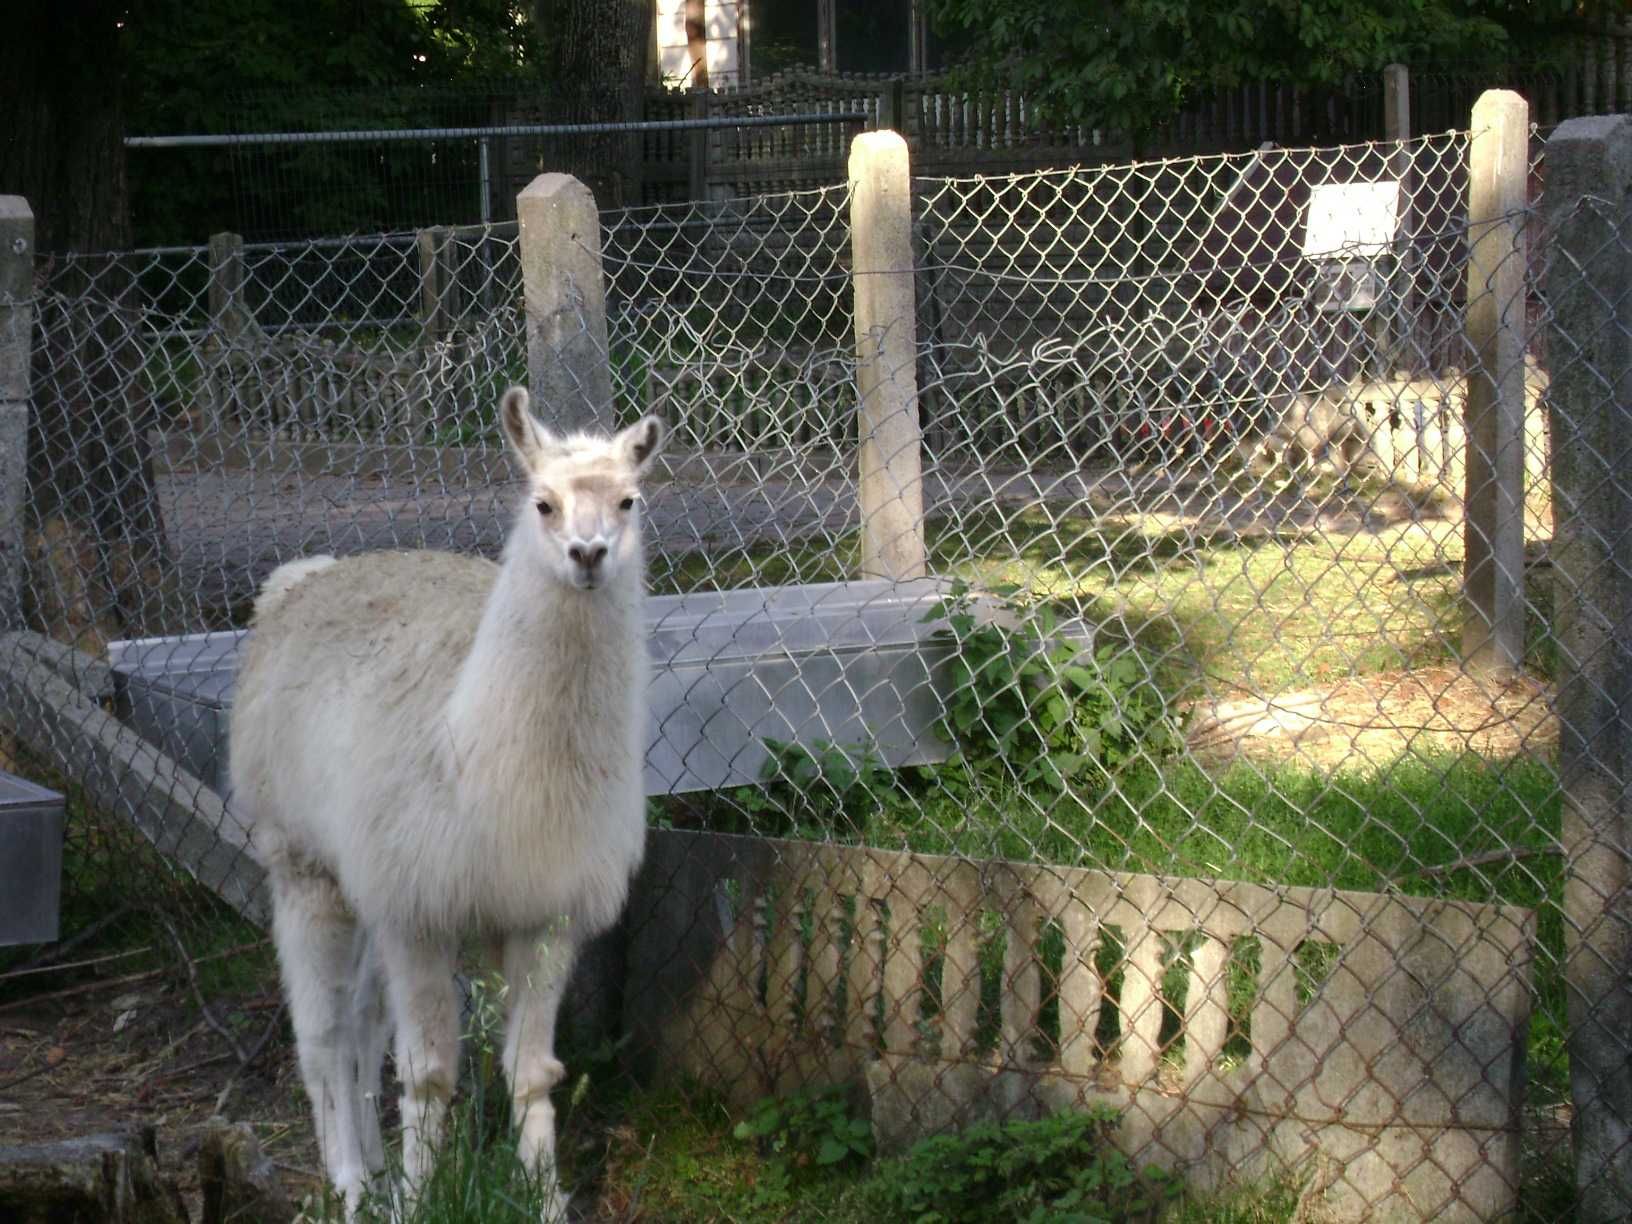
[(846, 663), (30, 861)]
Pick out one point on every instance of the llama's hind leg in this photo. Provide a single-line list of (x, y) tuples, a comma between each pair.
[(424, 1005), (318, 940), (536, 968)]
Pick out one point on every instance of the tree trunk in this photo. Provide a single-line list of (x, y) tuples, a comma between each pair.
[(597, 68), (95, 539)]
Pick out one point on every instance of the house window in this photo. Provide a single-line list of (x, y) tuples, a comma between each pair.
[(736, 39), (856, 35)]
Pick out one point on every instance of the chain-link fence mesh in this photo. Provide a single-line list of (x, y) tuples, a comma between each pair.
[(1163, 783)]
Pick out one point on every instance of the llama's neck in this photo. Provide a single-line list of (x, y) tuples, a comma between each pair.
[(549, 661), (546, 739)]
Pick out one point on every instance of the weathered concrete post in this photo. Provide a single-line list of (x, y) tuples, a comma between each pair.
[(569, 376), (568, 369), (16, 344), (1396, 102), (435, 281), (1493, 555), (889, 457), (227, 306), (1589, 207), (697, 149)]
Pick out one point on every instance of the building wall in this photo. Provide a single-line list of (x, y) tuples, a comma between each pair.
[(721, 25)]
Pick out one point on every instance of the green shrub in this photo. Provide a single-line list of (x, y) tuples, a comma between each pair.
[(1062, 1170), (808, 1130), (1025, 700), (826, 788)]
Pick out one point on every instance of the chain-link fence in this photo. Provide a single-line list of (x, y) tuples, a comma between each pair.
[(1195, 687)]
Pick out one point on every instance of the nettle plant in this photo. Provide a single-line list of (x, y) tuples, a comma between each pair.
[(1062, 1169), (827, 787), (1024, 699), (808, 1130)]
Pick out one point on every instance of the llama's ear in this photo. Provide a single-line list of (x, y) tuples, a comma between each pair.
[(640, 443), (526, 436)]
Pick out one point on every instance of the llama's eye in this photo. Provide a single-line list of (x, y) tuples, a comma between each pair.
[(544, 507), (627, 503)]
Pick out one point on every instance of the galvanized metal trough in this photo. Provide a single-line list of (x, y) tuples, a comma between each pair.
[(31, 820), (848, 663)]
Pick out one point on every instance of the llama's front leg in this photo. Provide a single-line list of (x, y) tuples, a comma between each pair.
[(536, 968), (424, 1004), (371, 1021), (318, 945)]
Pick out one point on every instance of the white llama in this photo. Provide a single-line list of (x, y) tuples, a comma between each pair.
[(429, 746)]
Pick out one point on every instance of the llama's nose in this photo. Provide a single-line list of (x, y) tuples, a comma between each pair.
[(587, 556)]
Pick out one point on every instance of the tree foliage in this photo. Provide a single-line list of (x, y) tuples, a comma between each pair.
[(1129, 65), (261, 65)]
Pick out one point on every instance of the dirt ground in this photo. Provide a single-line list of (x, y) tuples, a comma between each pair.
[(1375, 719), (113, 1053)]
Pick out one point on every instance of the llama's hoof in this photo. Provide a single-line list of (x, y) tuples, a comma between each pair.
[(555, 1209)]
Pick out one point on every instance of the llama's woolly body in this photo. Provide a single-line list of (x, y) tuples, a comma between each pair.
[(429, 746), (510, 802)]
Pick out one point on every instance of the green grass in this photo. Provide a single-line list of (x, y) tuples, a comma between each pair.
[(1257, 613)]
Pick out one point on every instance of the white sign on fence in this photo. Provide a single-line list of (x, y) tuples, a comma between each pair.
[(1351, 220)]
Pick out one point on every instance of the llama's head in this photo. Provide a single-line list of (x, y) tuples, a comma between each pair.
[(582, 516)]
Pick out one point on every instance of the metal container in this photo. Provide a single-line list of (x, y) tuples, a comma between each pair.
[(844, 663), (176, 692), (31, 822)]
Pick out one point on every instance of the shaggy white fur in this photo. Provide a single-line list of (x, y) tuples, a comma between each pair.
[(429, 746)]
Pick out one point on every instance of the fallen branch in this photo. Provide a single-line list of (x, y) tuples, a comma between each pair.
[(255, 1052), (1512, 855), (198, 993), (84, 964), (71, 991), (26, 1076), (52, 957), (188, 1068), (106, 983)]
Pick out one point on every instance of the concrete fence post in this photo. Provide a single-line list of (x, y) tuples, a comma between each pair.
[(569, 372), (1493, 556), (1396, 102), (228, 309), (1589, 218), (16, 350), (889, 457), (435, 281), (569, 375)]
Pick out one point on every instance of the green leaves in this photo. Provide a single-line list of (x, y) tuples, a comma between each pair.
[(1024, 701), (1132, 65), (1060, 1169), (825, 788), (812, 1129)]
